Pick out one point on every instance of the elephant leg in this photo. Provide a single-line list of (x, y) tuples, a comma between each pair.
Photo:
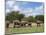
[(7, 26), (37, 25), (14, 26)]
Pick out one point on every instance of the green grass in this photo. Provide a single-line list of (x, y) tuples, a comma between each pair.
[(33, 29)]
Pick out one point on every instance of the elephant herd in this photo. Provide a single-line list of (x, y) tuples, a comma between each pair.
[(18, 24)]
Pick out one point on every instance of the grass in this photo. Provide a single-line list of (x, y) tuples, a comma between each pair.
[(33, 29)]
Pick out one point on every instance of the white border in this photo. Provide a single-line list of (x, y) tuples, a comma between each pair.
[(2, 18), (2, 15)]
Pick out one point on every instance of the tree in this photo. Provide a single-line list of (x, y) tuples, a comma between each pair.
[(14, 16), (20, 16), (40, 17), (30, 19)]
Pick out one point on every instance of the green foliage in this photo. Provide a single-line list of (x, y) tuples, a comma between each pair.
[(40, 17), (20, 16), (14, 15), (30, 19), (17, 16)]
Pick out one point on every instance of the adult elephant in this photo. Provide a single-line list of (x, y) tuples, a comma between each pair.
[(38, 22)]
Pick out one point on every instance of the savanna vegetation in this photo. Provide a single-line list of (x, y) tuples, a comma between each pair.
[(18, 16), (15, 15)]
